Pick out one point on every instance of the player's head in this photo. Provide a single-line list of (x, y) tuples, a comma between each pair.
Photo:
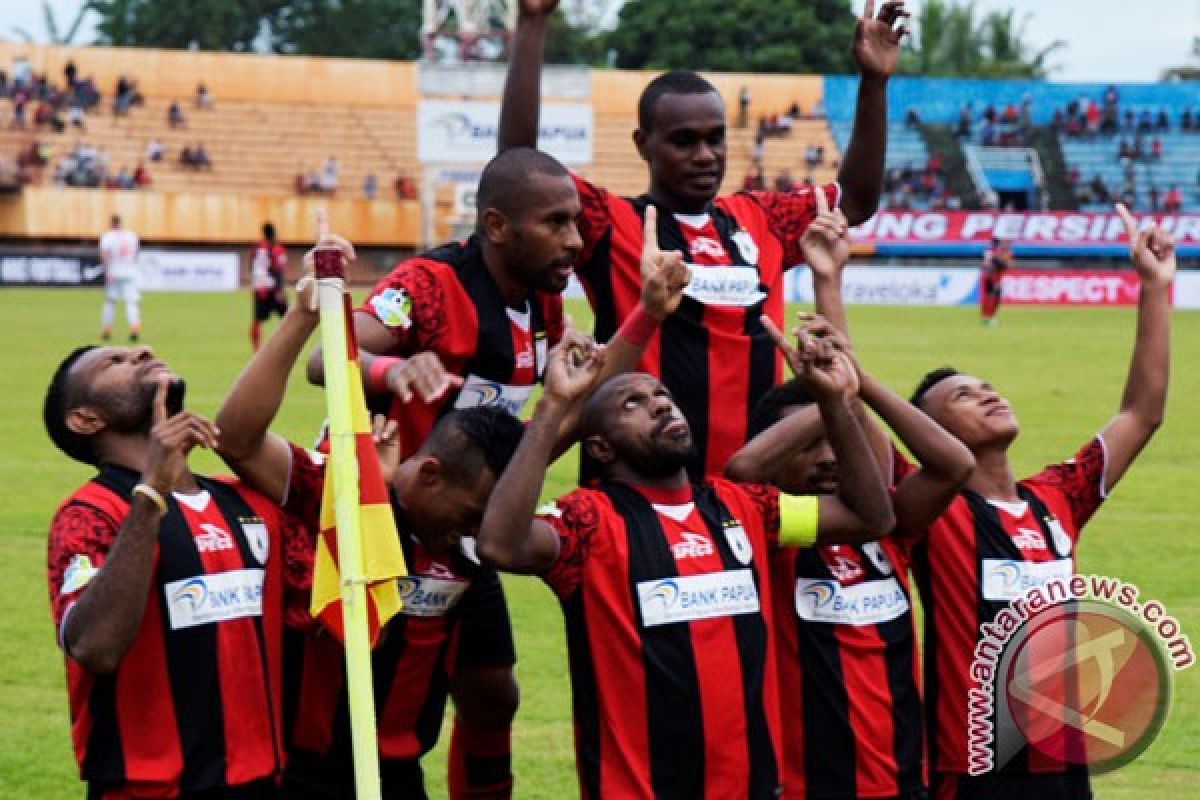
[(631, 423), (681, 137), (445, 486), (100, 391), (115, 221), (526, 209), (812, 469), (269, 232), (968, 408)]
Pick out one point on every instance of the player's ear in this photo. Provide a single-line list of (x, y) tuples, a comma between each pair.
[(599, 448), (84, 421), (496, 226), (641, 141), (429, 473)]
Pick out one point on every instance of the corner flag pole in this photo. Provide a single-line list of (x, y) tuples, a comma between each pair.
[(330, 274)]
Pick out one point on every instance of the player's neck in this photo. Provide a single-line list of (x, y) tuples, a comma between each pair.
[(666, 201), (673, 482), (993, 476), (132, 451), (513, 291)]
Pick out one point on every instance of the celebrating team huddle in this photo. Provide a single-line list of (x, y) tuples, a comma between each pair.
[(735, 569)]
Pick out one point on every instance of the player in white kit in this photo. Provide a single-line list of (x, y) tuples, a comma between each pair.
[(119, 255)]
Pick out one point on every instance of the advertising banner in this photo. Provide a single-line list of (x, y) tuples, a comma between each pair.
[(464, 132)]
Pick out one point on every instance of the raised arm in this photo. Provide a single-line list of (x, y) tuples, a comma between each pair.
[(876, 51), (520, 107), (510, 538), (1144, 401)]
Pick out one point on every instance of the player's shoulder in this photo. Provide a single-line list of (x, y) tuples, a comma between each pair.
[(580, 508), (93, 500)]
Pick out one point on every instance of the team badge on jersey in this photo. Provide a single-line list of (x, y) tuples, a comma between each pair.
[(738, 541), (1062, 542), (746, 246), (257, 537), (78, 573), (394, 308)]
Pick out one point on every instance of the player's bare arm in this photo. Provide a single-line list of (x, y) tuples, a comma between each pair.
[(1144, 401), (520, 107), (104, 621), (876, 52), (510, 538), (861, 510)]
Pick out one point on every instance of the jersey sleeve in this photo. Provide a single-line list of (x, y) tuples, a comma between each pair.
[(81, 536), (595, 220), (1080, 481), (306, 482), (789, 214), (576, 518), (411, 304), (484, 630)]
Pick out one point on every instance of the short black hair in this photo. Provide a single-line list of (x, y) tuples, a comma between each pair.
[(502, 183), (269, 232), (677, 81), (769, 408), (61, 397), (468, 439), (930, 380)]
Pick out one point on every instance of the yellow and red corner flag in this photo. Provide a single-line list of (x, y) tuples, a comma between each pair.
[(353, 470)]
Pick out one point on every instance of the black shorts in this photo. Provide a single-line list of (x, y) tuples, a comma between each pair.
[(311, 777), (1071, 785), (267, 303)]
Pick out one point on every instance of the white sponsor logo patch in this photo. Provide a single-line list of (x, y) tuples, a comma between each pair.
[(1062, 542), (867, 603), (739, 543), (1005, 580), (725, 286), (477, 391), (214, 598), (214, 539), (394, 308), (424, 596), (258, 538), (78, 573), (1029, 539), (715, 594), (692, 545), (746, 244)]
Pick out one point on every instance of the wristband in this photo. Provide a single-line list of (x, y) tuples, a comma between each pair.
[(151, 494), (377, 375), (639, 327)]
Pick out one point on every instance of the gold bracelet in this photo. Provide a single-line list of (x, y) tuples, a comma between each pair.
[(151, 494)]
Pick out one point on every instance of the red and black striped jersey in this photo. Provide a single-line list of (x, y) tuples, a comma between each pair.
[(268, 266), (454, 613), (195, 704), (672, 670), (446, 302), (848, 671), (976, 558), (713, 353)]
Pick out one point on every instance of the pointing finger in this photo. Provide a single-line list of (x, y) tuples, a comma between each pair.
[(869, 10), (776, 335), (1130, 222), (822, 200), (650, 231), (160, 399)]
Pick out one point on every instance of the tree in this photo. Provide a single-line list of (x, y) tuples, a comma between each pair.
[(952, 41), (348, 28), (569, 44), (209, 25), (735, 35), (52, 30)]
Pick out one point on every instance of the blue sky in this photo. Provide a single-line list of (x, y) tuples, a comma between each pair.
[(1107, 39)]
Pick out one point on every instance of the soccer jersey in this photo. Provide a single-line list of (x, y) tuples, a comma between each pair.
[(447, 303), (713, 353), (194, 704), (120, 249), (848, 671), (976, 558), (444, 598), (672, 671), (268, 266)]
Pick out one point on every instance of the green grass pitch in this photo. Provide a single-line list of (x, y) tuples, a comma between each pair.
[(1062, 369)]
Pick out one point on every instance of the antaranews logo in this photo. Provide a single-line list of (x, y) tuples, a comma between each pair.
[(1077, 670)]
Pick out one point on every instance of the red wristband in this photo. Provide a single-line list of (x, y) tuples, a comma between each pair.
[(377, 374), (639, 327)]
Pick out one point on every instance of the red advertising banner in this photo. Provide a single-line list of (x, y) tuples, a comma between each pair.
[(1070, 287), (1063, 229)]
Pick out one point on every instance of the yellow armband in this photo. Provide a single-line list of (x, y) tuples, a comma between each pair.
[(798, 520)]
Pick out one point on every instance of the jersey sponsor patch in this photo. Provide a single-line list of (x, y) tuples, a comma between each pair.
[(257, 537), (746, 245), (394, 308), (725, 286), (214, 598), (692, 545), (477, 391), (214, 539), (426, 596), (1004, 579), (866, 603), (78, 573), (739, 542), (1062, 542), (693, 597)]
